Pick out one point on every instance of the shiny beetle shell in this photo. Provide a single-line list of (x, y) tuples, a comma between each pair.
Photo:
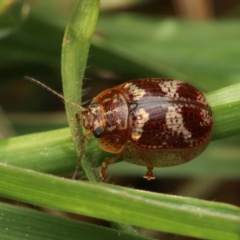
[(150, 122)]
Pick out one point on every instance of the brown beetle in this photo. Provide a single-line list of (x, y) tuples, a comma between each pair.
[(153, 122)]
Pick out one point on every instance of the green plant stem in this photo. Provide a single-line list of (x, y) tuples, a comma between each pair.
[(75, 48)]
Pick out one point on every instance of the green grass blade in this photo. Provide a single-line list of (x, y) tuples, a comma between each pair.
[(226, 109), (49, 152), (191, 217), (55, 228), (75, 50)]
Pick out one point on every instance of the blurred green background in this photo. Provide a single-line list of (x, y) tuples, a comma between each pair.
[(195, 41)]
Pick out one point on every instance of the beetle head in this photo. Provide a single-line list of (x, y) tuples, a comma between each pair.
[(92, 119)]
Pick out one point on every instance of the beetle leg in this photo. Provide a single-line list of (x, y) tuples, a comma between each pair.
[(105, 164), (149, 174)]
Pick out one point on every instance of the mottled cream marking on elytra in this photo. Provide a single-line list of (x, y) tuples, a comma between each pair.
[(206, 118), (175, 122), (170, 88), (135, 91), (141, 118), (202, 99)]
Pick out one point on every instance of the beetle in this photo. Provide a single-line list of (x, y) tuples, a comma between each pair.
[(153, 122)]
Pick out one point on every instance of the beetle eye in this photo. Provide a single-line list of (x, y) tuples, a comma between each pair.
[(98, 132), (93, 105)]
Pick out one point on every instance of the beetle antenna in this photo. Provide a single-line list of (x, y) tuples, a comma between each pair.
[(54, 92)]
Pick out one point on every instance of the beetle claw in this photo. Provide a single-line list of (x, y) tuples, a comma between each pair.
[(149, 174)]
